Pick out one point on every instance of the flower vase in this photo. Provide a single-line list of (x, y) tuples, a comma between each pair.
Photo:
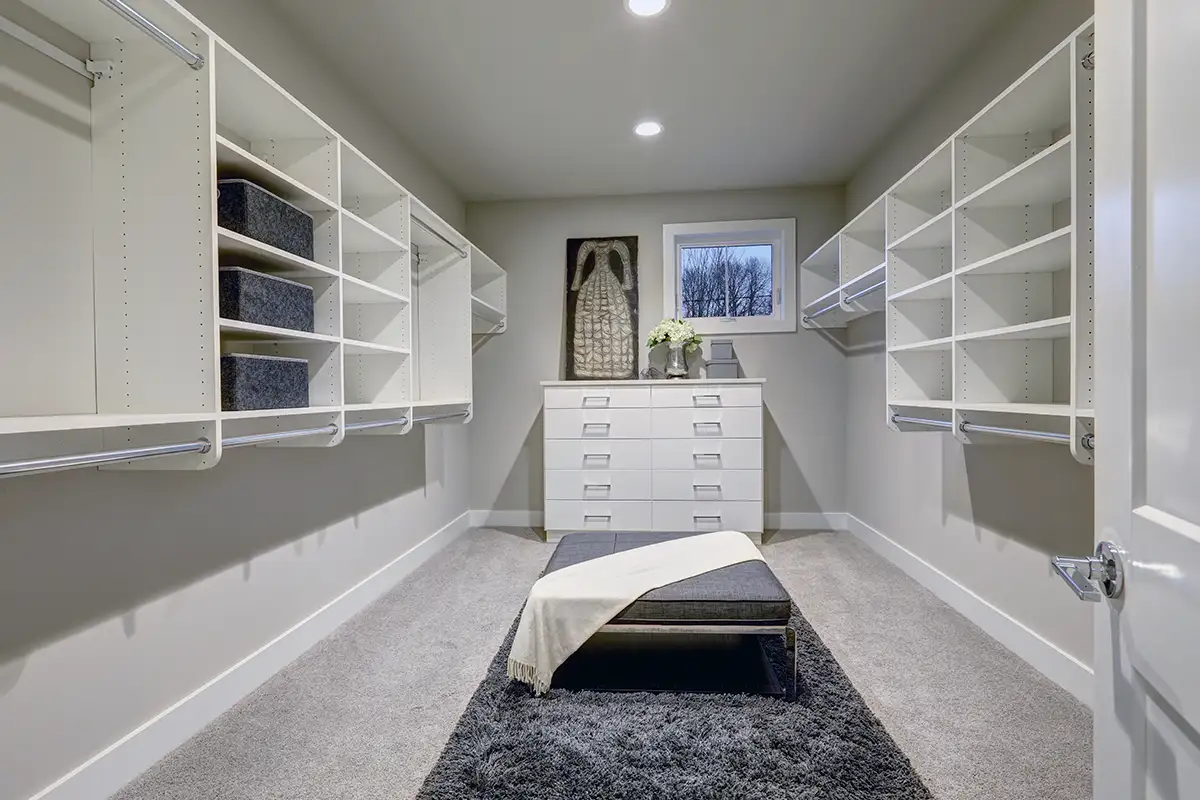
[(677, 366)]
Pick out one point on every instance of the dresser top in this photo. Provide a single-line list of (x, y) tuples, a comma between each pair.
[(661, 382)]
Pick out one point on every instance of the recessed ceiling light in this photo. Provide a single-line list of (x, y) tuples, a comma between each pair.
[(647, 8), (648, 128)]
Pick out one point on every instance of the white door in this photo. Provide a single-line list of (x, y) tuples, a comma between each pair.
[(1147, 660)]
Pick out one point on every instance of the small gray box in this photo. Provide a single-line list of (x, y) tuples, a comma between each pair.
[(250, 296), (252, 382), (720, 350), (247, 208), (723, 369)]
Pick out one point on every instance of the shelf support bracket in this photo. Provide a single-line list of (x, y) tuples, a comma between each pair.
[(100, 69)]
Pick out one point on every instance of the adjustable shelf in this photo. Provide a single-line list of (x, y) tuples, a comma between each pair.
[(990, 311), (845, 278), (123, 275)]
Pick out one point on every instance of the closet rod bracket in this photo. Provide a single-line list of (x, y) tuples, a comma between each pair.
[(100, 69)]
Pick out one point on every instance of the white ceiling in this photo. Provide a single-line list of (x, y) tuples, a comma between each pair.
[(538, 98)]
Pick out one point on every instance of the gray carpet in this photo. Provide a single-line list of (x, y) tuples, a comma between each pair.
[(366, 713), (826, 744)]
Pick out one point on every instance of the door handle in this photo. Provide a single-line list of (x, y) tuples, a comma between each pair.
[(1106, 568)]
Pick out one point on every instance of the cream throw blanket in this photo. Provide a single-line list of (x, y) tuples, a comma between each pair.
[(568, 606)]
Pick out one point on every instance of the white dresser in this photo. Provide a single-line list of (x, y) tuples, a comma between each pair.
[(672, 456)]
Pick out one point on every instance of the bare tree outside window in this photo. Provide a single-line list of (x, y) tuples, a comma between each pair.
[(727, 281)]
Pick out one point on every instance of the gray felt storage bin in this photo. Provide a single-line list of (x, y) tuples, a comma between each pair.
[(721, 350), (250, 296), (252, 382), (249, 209), (723, 369)]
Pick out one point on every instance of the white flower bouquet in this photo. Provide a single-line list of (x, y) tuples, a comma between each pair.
[(674, 331)]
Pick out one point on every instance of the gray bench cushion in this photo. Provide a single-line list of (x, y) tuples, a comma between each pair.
[(742, 593)]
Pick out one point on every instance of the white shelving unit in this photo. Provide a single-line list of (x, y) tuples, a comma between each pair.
[(121, 271), (844, 279), (989, 263)]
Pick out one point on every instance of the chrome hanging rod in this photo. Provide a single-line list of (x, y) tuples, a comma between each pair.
[(825, 310), (929, 423), (1088, 440), (193, 60), (61, 463), (867, 290), (380, 423), (436, 417), (277, 436), (461, 252)]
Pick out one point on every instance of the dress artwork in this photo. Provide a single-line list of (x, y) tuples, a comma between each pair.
[(604, 342)]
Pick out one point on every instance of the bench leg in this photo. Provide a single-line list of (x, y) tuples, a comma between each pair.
[(793, 647)]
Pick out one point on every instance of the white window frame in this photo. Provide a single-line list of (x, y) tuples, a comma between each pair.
[(779, 233)]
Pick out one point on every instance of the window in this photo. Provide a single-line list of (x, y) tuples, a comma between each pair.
[(731, 277)]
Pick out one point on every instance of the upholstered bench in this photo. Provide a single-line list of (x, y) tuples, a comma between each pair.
[(743, 598)]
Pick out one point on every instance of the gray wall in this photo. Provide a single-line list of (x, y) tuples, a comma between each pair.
[(805, 392), (986, 516), (124, 592)]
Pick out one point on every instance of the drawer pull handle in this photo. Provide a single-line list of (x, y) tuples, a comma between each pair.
[(698, 517), (715, 399), (706, 455), (599, 487), (605, 425), (702, 424), (586, 517), (605, 456), (598, 400), (714, 487)]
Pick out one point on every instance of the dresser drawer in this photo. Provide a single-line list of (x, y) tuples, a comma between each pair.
[(600, 396), (702, 516), (709, 484), (574, 484), (617, 423), (707, 454), (707, 423), (620, 454), (707, 396), (598, 515)]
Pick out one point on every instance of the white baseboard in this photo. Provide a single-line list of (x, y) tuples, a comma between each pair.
[(1043, 655), (507, 519), (108, 771), (804, 521)]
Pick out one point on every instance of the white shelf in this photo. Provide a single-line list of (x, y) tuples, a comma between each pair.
[(937, 232), (425, 239), (356, 291), (940, 405), (440, 403), (825, 257), (358, 407), (1049, 253), (1040, 100), (354, 347), (87, 422), (869, 223), (362, 178), (934, 175), (483, 269), (235, 162), (1056, 328), (938, 288), (486, 312), (863, 280), (1027, 409), (1043, 179), (248, 331), (927, 346), (360, 236), (266, 413), (824, 300), (1085, 413), (279, 262), (257, 108)]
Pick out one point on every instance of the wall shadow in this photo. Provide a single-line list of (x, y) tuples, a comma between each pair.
[(784, 485), (523, 488), (1033, 493), (125, 538)]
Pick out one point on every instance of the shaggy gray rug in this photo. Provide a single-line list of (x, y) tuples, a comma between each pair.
[(579, 745)]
